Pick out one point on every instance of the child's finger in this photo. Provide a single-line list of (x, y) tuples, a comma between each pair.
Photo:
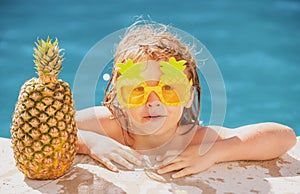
[(172, 167), (184, 172), (169, 160), (120, 160), (131, 157), (106, 162), (136, 154)]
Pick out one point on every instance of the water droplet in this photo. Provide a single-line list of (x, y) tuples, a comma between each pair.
[(106, 77)]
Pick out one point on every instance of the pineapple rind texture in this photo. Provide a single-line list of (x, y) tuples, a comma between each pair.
[(44, 133)]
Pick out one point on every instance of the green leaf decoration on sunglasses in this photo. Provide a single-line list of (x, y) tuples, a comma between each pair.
[(130, 70), (172, 68), (125, 66), (178, 64)]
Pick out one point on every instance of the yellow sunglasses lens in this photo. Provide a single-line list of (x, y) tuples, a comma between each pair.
[(170, 95), (137, 95), (132, 95)]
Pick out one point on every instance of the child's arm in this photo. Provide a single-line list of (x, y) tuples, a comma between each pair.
[(88, 119), (261, 141), (252, 142)]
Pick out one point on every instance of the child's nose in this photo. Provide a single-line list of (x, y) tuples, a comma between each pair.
[(153, 100)]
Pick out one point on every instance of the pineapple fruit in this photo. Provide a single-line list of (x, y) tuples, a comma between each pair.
[(43, 131)]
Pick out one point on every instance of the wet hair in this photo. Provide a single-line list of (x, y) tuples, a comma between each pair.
[(146, 40)]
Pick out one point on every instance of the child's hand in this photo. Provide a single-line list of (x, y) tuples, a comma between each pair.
[(190, 161), (106, 151)]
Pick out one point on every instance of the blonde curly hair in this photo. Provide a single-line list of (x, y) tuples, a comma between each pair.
[(144, 41)]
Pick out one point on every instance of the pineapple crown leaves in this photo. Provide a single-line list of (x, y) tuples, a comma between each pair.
[(130, 70), (47, 56), (172, 68)]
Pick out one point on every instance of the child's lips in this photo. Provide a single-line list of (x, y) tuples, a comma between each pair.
[(154, 117)]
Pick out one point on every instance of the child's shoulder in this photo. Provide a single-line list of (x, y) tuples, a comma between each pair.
[(92, 113), (100, 120), (109, 124)]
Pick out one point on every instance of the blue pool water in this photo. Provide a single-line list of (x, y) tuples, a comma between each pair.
[(255, 43)]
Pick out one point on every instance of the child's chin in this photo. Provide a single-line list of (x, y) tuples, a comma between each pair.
[(149, 128)]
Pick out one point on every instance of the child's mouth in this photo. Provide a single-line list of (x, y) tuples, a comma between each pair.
[(152, 117)]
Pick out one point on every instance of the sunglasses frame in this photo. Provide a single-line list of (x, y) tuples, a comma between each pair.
[(158, 89)]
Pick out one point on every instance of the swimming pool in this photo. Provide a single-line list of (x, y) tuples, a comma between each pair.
[(256, 45)]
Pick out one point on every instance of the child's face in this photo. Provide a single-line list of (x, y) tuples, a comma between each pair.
[(154, 117)]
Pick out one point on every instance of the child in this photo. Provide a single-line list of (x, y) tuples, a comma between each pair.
[(151, 107)]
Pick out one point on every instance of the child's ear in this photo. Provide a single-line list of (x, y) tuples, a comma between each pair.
[(190, 102)]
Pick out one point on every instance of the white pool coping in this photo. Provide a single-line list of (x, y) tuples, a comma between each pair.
[(281, 175)]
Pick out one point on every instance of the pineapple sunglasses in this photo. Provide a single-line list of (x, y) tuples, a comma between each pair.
[(173, 88)]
